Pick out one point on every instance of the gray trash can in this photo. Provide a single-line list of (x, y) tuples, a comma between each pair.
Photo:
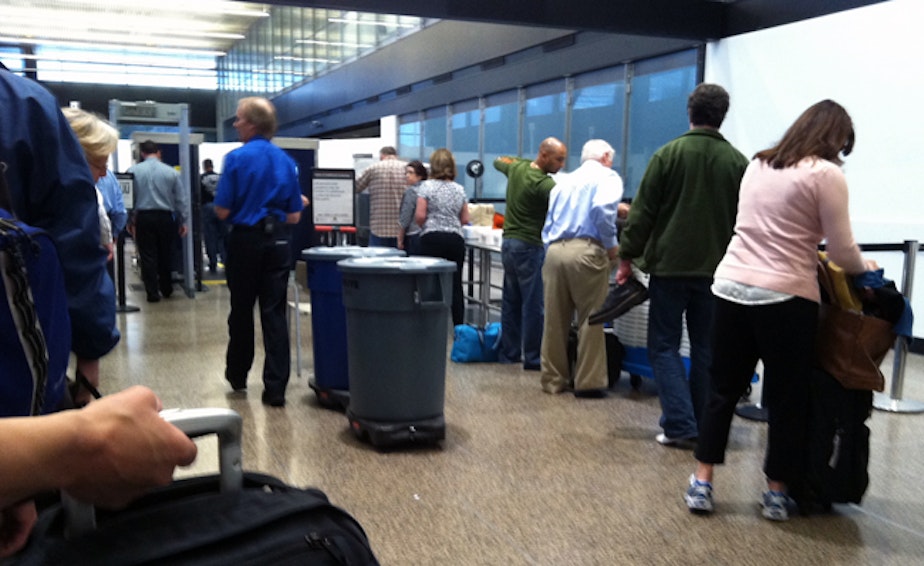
[(397, 312), (328, 319)]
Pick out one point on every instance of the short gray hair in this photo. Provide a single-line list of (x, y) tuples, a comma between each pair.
[(596, 149)]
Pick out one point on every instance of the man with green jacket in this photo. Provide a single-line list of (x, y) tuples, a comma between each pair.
[(679, 225)]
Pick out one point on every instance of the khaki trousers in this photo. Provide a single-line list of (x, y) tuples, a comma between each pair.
[(575, 276)]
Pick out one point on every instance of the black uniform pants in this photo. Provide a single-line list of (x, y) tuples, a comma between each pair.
[(257, 269), (155, 236)]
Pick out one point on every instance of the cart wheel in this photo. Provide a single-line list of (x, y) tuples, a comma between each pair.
[(635, 380)]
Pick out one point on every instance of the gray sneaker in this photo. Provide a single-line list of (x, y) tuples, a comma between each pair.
[(776, 505), (699, 497)]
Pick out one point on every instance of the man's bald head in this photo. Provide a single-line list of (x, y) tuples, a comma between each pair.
[(552, 155)]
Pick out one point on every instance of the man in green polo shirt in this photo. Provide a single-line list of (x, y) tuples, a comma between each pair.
[(522, 252)]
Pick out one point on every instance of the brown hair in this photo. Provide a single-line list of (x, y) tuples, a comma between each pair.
[(419, 169), (823, 131), (707, 105), (442, 165)]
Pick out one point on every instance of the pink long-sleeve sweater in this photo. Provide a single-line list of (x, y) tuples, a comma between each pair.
[(783, 214)]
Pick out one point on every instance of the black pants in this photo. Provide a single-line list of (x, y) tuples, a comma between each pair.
[(452, 247), (258, 269), (155, 236), (783, 336)]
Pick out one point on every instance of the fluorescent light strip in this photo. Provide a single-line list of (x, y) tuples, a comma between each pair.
[(335, 43), (97, 45), (117, 59), (368, 23), (275, 72), (308, 59)]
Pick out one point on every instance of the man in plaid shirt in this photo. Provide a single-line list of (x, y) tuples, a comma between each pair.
[(386, 183)]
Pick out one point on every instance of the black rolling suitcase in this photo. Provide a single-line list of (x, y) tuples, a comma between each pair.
[(838, 445), (233, 518)]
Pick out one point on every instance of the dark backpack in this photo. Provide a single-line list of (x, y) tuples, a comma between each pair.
[(35, 328)]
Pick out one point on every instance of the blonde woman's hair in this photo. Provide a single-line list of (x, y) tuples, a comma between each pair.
[(97, 136)]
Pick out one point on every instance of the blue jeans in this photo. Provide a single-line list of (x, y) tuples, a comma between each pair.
[(215, 232), (521, 304), (377, 241), (682, 400)]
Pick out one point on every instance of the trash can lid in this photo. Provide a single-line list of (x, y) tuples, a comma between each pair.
[(336, 253), (395, 265)]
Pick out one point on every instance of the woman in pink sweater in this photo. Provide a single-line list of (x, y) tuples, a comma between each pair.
[(793, 196)]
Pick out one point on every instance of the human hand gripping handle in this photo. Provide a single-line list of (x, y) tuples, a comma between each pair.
[(624, 272), (225, 423), (125, 448)]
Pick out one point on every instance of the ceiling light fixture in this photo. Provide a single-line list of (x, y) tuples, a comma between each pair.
[(335, 43), (308, 59), (99, 45), (370, 23)]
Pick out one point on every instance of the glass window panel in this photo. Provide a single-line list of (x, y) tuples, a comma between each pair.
[(466, 126), (657, 109), (434, 131), (409, 138), (546, 107), (501, 124), (597, 113)]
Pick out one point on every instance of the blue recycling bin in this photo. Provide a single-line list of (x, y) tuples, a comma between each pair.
[(331, 381)]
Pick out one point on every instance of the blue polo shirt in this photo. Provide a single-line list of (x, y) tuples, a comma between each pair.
[(258, 179)]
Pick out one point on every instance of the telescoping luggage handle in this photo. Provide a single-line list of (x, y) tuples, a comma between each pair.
[(225, 423)]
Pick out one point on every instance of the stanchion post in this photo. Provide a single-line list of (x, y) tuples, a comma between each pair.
[(120, 276), (894, 402)]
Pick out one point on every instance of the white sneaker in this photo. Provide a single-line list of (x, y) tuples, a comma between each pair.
[(699, 496), (775, 505), (685, 443)]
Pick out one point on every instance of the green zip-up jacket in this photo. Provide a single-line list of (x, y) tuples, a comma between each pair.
[(683, 215)]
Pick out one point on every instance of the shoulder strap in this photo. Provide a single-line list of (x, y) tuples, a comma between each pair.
[(22, 307)]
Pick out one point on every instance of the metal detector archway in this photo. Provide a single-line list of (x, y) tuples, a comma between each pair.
[(149, 112)]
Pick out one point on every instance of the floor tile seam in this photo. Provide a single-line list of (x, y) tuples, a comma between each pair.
[(888, 521)]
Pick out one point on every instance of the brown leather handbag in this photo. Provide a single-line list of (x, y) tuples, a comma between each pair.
[(849, 345)]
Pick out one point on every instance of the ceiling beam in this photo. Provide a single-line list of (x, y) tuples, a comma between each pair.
[(684, 19), (700, 20)]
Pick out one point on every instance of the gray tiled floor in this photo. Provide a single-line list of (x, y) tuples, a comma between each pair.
[(524, 477)]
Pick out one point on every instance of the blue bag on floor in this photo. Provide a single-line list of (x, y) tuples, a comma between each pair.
[(473, 344)]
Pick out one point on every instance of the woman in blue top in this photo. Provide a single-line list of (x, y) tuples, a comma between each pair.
[(442, 210), (409, 231)]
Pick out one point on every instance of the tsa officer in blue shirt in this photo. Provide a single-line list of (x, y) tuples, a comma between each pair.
[(260, 197)]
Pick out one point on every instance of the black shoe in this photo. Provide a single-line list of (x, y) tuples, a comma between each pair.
[(590, 393), (153, 298), (237, 386), (532, 367), (618, 302), (273, 400)]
